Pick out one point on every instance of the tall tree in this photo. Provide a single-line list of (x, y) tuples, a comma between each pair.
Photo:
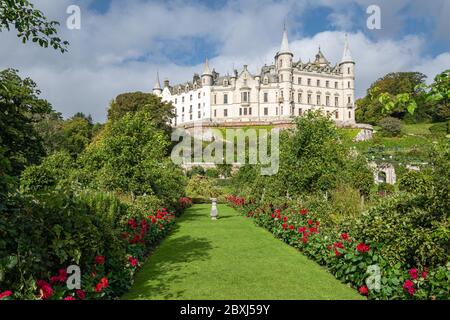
[(20, 105), (30, 23)]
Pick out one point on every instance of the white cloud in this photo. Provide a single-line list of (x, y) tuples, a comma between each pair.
[(102, 61)]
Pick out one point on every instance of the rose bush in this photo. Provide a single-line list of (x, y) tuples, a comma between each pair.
[(348, 258)]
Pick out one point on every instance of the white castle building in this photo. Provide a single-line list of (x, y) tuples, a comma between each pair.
[(280, 91)]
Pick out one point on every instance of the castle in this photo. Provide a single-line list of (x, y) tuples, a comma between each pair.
[(280, 91)]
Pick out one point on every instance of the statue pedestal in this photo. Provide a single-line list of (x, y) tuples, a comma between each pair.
[(214, 212)]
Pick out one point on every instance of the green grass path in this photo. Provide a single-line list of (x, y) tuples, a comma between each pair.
[(230, 259)]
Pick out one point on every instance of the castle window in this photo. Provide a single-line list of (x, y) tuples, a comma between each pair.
[(199, 105), (318, 83), (266, 97), (245, 111), (199, 95), (215, 99), (349, 100), (190, 109), (225, 98), (276, 111), (225, 113), (182, 99), (309, 99), (190, 116), (225, 82), (191, 97), (309, 82), (318, 100), (349, 114), (240, 111), (336, 85), (299, 98), (215, 113), (266, 111), (336, 101), (176, 100), (182, 109), (250, 111), (281, 78), (245, 96), (199, 115), (337, 115), (348, 70), (299, 80), (300, 111), (328, 100), (327, 84), (349, 84)]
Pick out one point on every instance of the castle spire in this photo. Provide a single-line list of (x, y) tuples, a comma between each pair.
[(207, 71), (158, 83), (285, 42), (347, 56)]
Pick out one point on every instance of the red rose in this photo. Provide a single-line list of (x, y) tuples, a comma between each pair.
[(45, 290), (345, 236), (291, 227), (273, 215), (413, 273), (424, 274), (104, 282), (337, 253), (81, 294), (284, 226), (303, 212), (133, 261), (317, 223), (310, 222), (363, 248), (69, 298), (62, 275), (98, 287), (305, 240), (285, 219), (99, 260), (364, 290), (5, 294), (313, 230)]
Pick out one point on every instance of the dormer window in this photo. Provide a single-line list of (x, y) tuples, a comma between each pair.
[(225, 82), (266, 80)]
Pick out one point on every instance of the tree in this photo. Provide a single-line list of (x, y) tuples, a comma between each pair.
[(401, 87), (161, 112), (20, 106), (130, 157), (439, 95), (30, 23)]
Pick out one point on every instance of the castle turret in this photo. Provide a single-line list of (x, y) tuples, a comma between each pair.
[(283, 63), (207, 76), (347, 66), (157, 90)]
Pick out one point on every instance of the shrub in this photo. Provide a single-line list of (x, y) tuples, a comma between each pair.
[(390, 126)]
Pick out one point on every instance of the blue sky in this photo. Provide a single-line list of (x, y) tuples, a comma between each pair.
[(122, 44)]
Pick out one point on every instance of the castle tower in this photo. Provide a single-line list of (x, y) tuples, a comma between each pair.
[(207, 76), (207, 83), (157, 90), (347, 66), (284, 67)]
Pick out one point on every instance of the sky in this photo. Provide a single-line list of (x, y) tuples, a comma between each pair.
[(122, 44)]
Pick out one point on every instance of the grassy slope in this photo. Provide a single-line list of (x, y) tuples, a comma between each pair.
[(231, 259)]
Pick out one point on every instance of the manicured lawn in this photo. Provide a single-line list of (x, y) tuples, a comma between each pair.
[(230, 259)]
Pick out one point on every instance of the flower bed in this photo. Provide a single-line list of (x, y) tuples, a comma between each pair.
[(109, 274), (354, 262)]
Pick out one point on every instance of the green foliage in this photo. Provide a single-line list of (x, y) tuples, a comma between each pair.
[(212, 173), (196, 171), (129, 157), (395, 95), (391, 127), (160, 112), (415, 181), (30, 23), (55, 170), (19, 105), (201, 187)]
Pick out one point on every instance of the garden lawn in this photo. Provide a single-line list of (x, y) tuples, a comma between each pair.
[(230, 259)]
